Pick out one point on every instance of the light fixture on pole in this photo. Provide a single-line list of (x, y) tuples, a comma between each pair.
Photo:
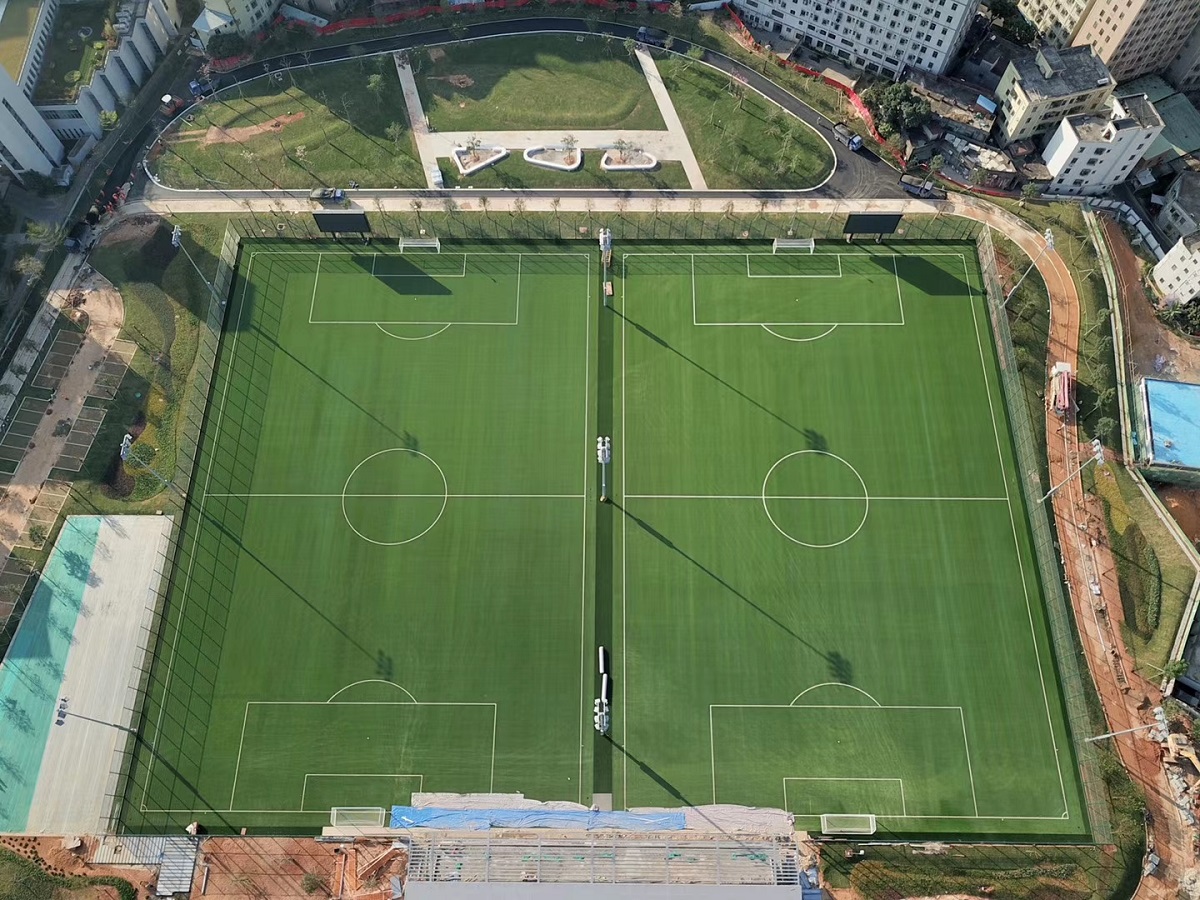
[(604, 457), (1049, 237), (1097, 457)]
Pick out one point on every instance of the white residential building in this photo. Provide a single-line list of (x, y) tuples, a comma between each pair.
[(883, 36), (40, 136), (1180, 215), (1177, 274), (242, 16), (1038, 90), (1092, 154), (1133, 37)]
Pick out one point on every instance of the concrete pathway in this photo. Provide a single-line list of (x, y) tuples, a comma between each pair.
[(416, 119), (671, 144), (106, 316), (666, 108)]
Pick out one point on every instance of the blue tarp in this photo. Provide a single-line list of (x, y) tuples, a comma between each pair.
[(1174, 422), (483, 819)]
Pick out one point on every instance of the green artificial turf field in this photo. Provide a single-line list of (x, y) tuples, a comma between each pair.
[(816, 577)]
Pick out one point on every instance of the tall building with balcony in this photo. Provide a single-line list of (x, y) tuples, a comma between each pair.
[(883, 36), (1038, 90), (1090, 155), (1132, 37)]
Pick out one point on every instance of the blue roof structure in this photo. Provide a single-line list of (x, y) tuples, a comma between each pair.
[(1173, 410)]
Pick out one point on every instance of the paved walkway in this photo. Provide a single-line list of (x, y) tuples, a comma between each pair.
[(666, 108), (106, 316), (672, 144)]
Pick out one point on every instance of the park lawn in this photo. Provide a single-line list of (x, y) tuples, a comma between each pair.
[(67, 52), (342, 136), (16, 24), (749, 144), (535, 82), (514, 172)]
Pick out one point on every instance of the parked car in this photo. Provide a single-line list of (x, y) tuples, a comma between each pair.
[(327, 195), (652, 36), (921, 187)]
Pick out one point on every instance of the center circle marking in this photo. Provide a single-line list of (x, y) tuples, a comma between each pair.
[(866, 499), (346, 492)]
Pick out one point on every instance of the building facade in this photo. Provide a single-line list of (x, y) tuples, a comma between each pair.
[(27, 143), (243, 17), (1089, 155), (1132, 37), (1177, 274), (1180, 215), (882, 36), (1038, 90)]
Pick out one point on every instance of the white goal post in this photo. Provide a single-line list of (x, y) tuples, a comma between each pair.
[(808, 244), (421, 243), (357, 816), (846, 823)]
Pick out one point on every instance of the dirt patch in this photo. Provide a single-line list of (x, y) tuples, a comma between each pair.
[(458, 81), (134, 229), (1155, 351), (64, 861), (437, 54), (218, 135), (278, 868), (1184, 505)]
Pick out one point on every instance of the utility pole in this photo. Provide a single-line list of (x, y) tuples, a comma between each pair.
[(1049, 236), (604, 457), (1097, 457)]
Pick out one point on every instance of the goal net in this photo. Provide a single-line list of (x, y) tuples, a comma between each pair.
[(421, 243), (801, 244), (845, 823), (357, 816)]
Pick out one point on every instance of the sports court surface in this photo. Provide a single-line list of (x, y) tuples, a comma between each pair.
[(816, 577)]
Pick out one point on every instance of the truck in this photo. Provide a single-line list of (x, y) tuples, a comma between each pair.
[(843, 134), (327, 195), (170, 105), (921, 187)]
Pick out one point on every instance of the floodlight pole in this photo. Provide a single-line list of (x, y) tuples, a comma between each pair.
[(604, 457), (1160, 721), (177, 241), (1049, 245), (127, 456), (1096, 457)]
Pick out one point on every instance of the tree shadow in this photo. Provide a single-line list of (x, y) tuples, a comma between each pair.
[(16, 715), (815, 440), (80, 569)]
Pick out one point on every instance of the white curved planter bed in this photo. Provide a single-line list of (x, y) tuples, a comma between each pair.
[(554, 158), (640, 162), (484, 157)]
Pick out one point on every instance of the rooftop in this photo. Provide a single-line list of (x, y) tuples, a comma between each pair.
[(1173, 410), (1141, 110), (1188, 194), (1180, 136), (17, 19), (1071, 71)]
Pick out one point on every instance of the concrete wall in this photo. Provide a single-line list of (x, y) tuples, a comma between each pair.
[(22, 130)]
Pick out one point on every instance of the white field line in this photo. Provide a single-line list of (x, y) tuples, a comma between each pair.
[(625, 532), (1017, 546), (759, 497), (583, 653), (312, 306), (898, 781), (195, 543), (308, 775), (899, 295), (407, 496)]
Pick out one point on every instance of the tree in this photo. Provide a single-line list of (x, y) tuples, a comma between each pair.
[(375, 85), (484, 203), (395, 133), (518, 206), (1103, 398), (1020, 30), (979, 177), (38, 534), (311, 883), (896, 107), (622, 147), (227, 43), (630, 46), (676, 9), (570, 142), (457, 30), (108, 119), (1105, 428), (1176, 668), (1031, 190), (30, 267), (472, 147)]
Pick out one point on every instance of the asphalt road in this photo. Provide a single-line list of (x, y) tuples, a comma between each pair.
[(858, 175)]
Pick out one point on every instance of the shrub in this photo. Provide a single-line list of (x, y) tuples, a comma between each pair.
[(312, 883), (73, 76), (1152, 579)]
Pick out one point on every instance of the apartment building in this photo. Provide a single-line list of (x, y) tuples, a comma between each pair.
[(1177, 274), (1180, 215), (883, 36), (1184, 71), (1132, 37), (1038, 90), (45, 136), (244, 17), (1089, 155)]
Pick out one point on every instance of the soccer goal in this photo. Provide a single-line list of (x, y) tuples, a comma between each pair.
[(357, 816), (421, 243), (845, 823), (800, 244)]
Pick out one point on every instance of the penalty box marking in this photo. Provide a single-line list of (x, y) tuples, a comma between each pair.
[(898, 781), (307, 775), (712, 744), (246, 719), (464, 254)]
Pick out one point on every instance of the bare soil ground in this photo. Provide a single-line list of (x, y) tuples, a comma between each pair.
[(275, 868), (56, 859), (135, 228), (1184, 506), (458, 81), (218, 135)]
